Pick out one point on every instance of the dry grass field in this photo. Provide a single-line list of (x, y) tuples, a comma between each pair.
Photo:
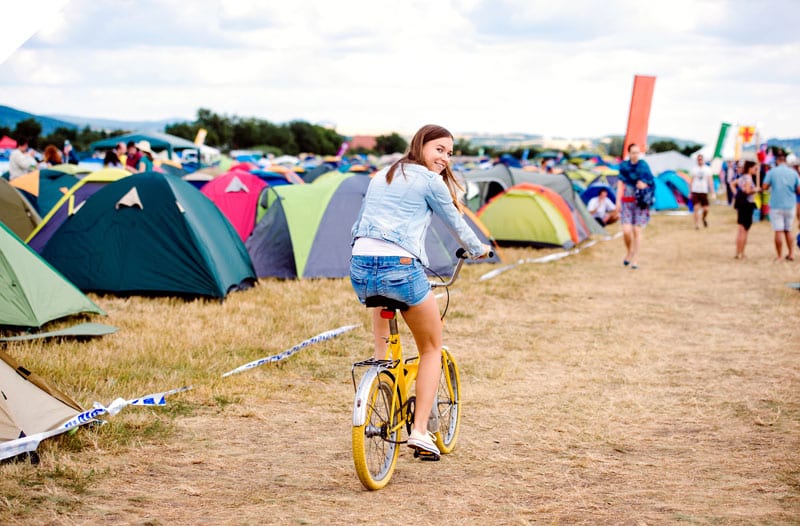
[(593, 394)]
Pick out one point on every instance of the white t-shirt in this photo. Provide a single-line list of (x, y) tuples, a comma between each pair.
[(701, 179), (603, 207)]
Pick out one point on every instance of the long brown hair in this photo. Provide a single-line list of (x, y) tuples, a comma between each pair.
[(429, 132)]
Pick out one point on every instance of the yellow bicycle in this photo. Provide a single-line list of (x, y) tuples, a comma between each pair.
[(384, 401)]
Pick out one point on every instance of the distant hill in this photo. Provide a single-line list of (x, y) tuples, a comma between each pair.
[(9, 117), (113, 124)]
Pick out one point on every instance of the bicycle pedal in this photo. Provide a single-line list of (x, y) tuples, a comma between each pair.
[(426, 455)]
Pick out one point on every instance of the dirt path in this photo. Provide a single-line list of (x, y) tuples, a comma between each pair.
[(594, 394)]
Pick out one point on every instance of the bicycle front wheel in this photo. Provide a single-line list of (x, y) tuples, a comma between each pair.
[(375, 443), (447, 407)]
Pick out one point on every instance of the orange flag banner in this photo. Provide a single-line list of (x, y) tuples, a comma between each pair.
[(639, 114)]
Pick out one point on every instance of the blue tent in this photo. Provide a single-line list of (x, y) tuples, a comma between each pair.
[(678, 185), (665, 199), (594, 189)]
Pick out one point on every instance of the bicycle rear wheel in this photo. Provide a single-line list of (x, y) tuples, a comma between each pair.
[(375, 445), (448, 404)]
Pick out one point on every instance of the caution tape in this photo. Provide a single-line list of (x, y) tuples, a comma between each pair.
[(327, 335), (28, 444)]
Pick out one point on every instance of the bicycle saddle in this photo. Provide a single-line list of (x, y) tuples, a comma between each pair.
[(388, 303)]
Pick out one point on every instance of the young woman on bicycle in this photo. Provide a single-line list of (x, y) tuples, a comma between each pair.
[(389, 255)]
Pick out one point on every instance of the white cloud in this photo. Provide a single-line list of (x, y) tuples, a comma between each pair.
[(532, 66)]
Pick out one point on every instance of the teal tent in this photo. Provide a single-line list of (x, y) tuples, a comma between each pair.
[(151, 233), (159, 142), (32, 293)]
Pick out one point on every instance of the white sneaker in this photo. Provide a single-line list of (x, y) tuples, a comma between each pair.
[(423, 444)]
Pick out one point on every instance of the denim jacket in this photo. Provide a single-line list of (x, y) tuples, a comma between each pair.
[(400, 212)]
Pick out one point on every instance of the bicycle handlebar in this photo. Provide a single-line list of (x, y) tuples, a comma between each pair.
[(462, 256)]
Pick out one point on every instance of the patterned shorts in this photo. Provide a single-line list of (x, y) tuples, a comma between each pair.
[(633, 215)]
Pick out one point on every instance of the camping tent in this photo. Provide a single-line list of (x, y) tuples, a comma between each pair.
[(485, 184), (151, 233), (525, 215), (236, 194), (665, 198), (44, 187), (7, 143), (70, 203), (669, 160), (31, 292), (305, 231), (29, 404), (16, 211), (172, 146), (678, 184)]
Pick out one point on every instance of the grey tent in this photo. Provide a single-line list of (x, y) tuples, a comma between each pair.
[(483, 185)]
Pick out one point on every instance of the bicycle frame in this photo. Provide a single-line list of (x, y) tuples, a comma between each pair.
[(404, 376), (384, 403)]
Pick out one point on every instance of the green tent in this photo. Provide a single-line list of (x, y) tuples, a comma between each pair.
[(485, 184), (151, 233), (31, 292), (520, 216)]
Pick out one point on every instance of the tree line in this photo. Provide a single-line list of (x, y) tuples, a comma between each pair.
[(292, 138)]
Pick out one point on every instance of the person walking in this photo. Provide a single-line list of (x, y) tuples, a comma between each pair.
[(784, 184), (634, 173), (388, 255), (744, 190), (702, 187)]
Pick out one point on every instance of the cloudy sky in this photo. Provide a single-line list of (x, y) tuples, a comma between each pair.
[(375, 66)]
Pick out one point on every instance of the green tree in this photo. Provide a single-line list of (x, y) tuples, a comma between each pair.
[(392, 143), (28, 129), (219, 128), (615, 146), (185, 130), (689, 149), (663, 146)]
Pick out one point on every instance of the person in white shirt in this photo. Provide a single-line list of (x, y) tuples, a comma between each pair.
[(20, 161), (702, 186), (602, 208)]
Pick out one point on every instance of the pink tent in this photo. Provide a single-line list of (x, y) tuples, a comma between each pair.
[(7, 143), (236, 194)]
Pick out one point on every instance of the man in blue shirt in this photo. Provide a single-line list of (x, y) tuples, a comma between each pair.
[(784, 184)]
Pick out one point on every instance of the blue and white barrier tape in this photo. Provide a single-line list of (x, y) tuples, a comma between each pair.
[(327, 335), (27, 444)]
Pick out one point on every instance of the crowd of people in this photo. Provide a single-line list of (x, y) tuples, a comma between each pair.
[(770, 182), (747, 180), (134, 157)]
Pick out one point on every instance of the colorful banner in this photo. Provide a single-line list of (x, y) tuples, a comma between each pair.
[(723, 134), (639, 115), (747, 133)]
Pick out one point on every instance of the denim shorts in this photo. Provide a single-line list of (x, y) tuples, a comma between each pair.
[(399, 278)]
